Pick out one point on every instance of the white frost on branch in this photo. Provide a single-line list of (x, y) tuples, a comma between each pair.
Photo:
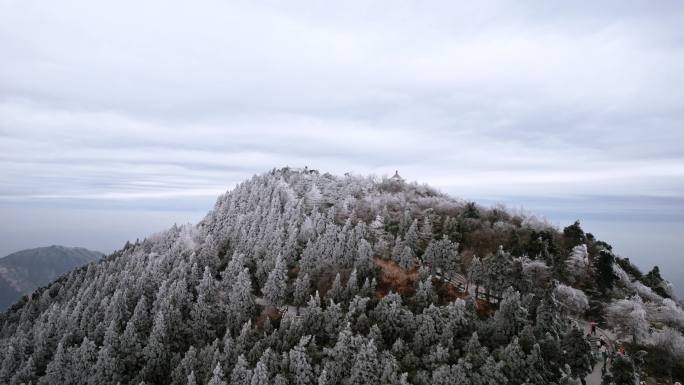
[(574, 300), (669, 313), (645, 292), (578, 262), (671, 341), (628, 318)]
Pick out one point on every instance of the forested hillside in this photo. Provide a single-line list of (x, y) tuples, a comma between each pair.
[(24, 271), (302, 278)]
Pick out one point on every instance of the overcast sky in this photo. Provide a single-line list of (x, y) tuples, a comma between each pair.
[(119, 118)]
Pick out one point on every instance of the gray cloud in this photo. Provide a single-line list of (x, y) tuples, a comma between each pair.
[(130, 103)]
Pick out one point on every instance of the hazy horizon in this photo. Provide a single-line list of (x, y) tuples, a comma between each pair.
[(106, 226)]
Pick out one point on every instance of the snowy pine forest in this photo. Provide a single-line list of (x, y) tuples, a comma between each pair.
[(303, 278)]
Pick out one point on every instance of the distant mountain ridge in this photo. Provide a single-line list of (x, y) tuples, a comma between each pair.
[(24, 271)]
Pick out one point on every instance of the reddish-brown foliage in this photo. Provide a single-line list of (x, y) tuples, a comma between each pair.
[(485, 241), (326, 279), (270, 312), (447, 292), (394, 278)]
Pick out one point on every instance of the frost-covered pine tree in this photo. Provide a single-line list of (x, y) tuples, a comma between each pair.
[(275, 289), (55, 372), (548, 315), (578, 263), (26, 373), (406, 259), (364, 264), (566, 378), (260, 375), (352, 287), (241, 374), (105, 370), (397, 248), (241, 299), (411, 236), (572, 300), (510, 318), (425, 334), (366, 368), (312, 314), (308, 263), (628, 317), (514, 363), (389, 369), (301, 371), (539, 373), (187, 366), (475, 353), (441, 376), (623, 370), (476, 275), (577, 353), (307, 230), (323, 378), (83, 360), (604, 269), (301, 289), (133, 338), (340, 357), (208, 254), (425, 294), (217, 376), (426, 232), (551, 351), (234, 268), (205, 313), (336, 291), (156, 352), (191, 379), (441, 255), (495, 268), (491, 372)]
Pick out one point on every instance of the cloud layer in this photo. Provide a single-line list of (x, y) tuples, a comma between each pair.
[(168, 104)]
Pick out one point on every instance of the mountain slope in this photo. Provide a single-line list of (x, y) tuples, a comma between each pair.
[(24, 271), (297, 277), (8, 294)]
